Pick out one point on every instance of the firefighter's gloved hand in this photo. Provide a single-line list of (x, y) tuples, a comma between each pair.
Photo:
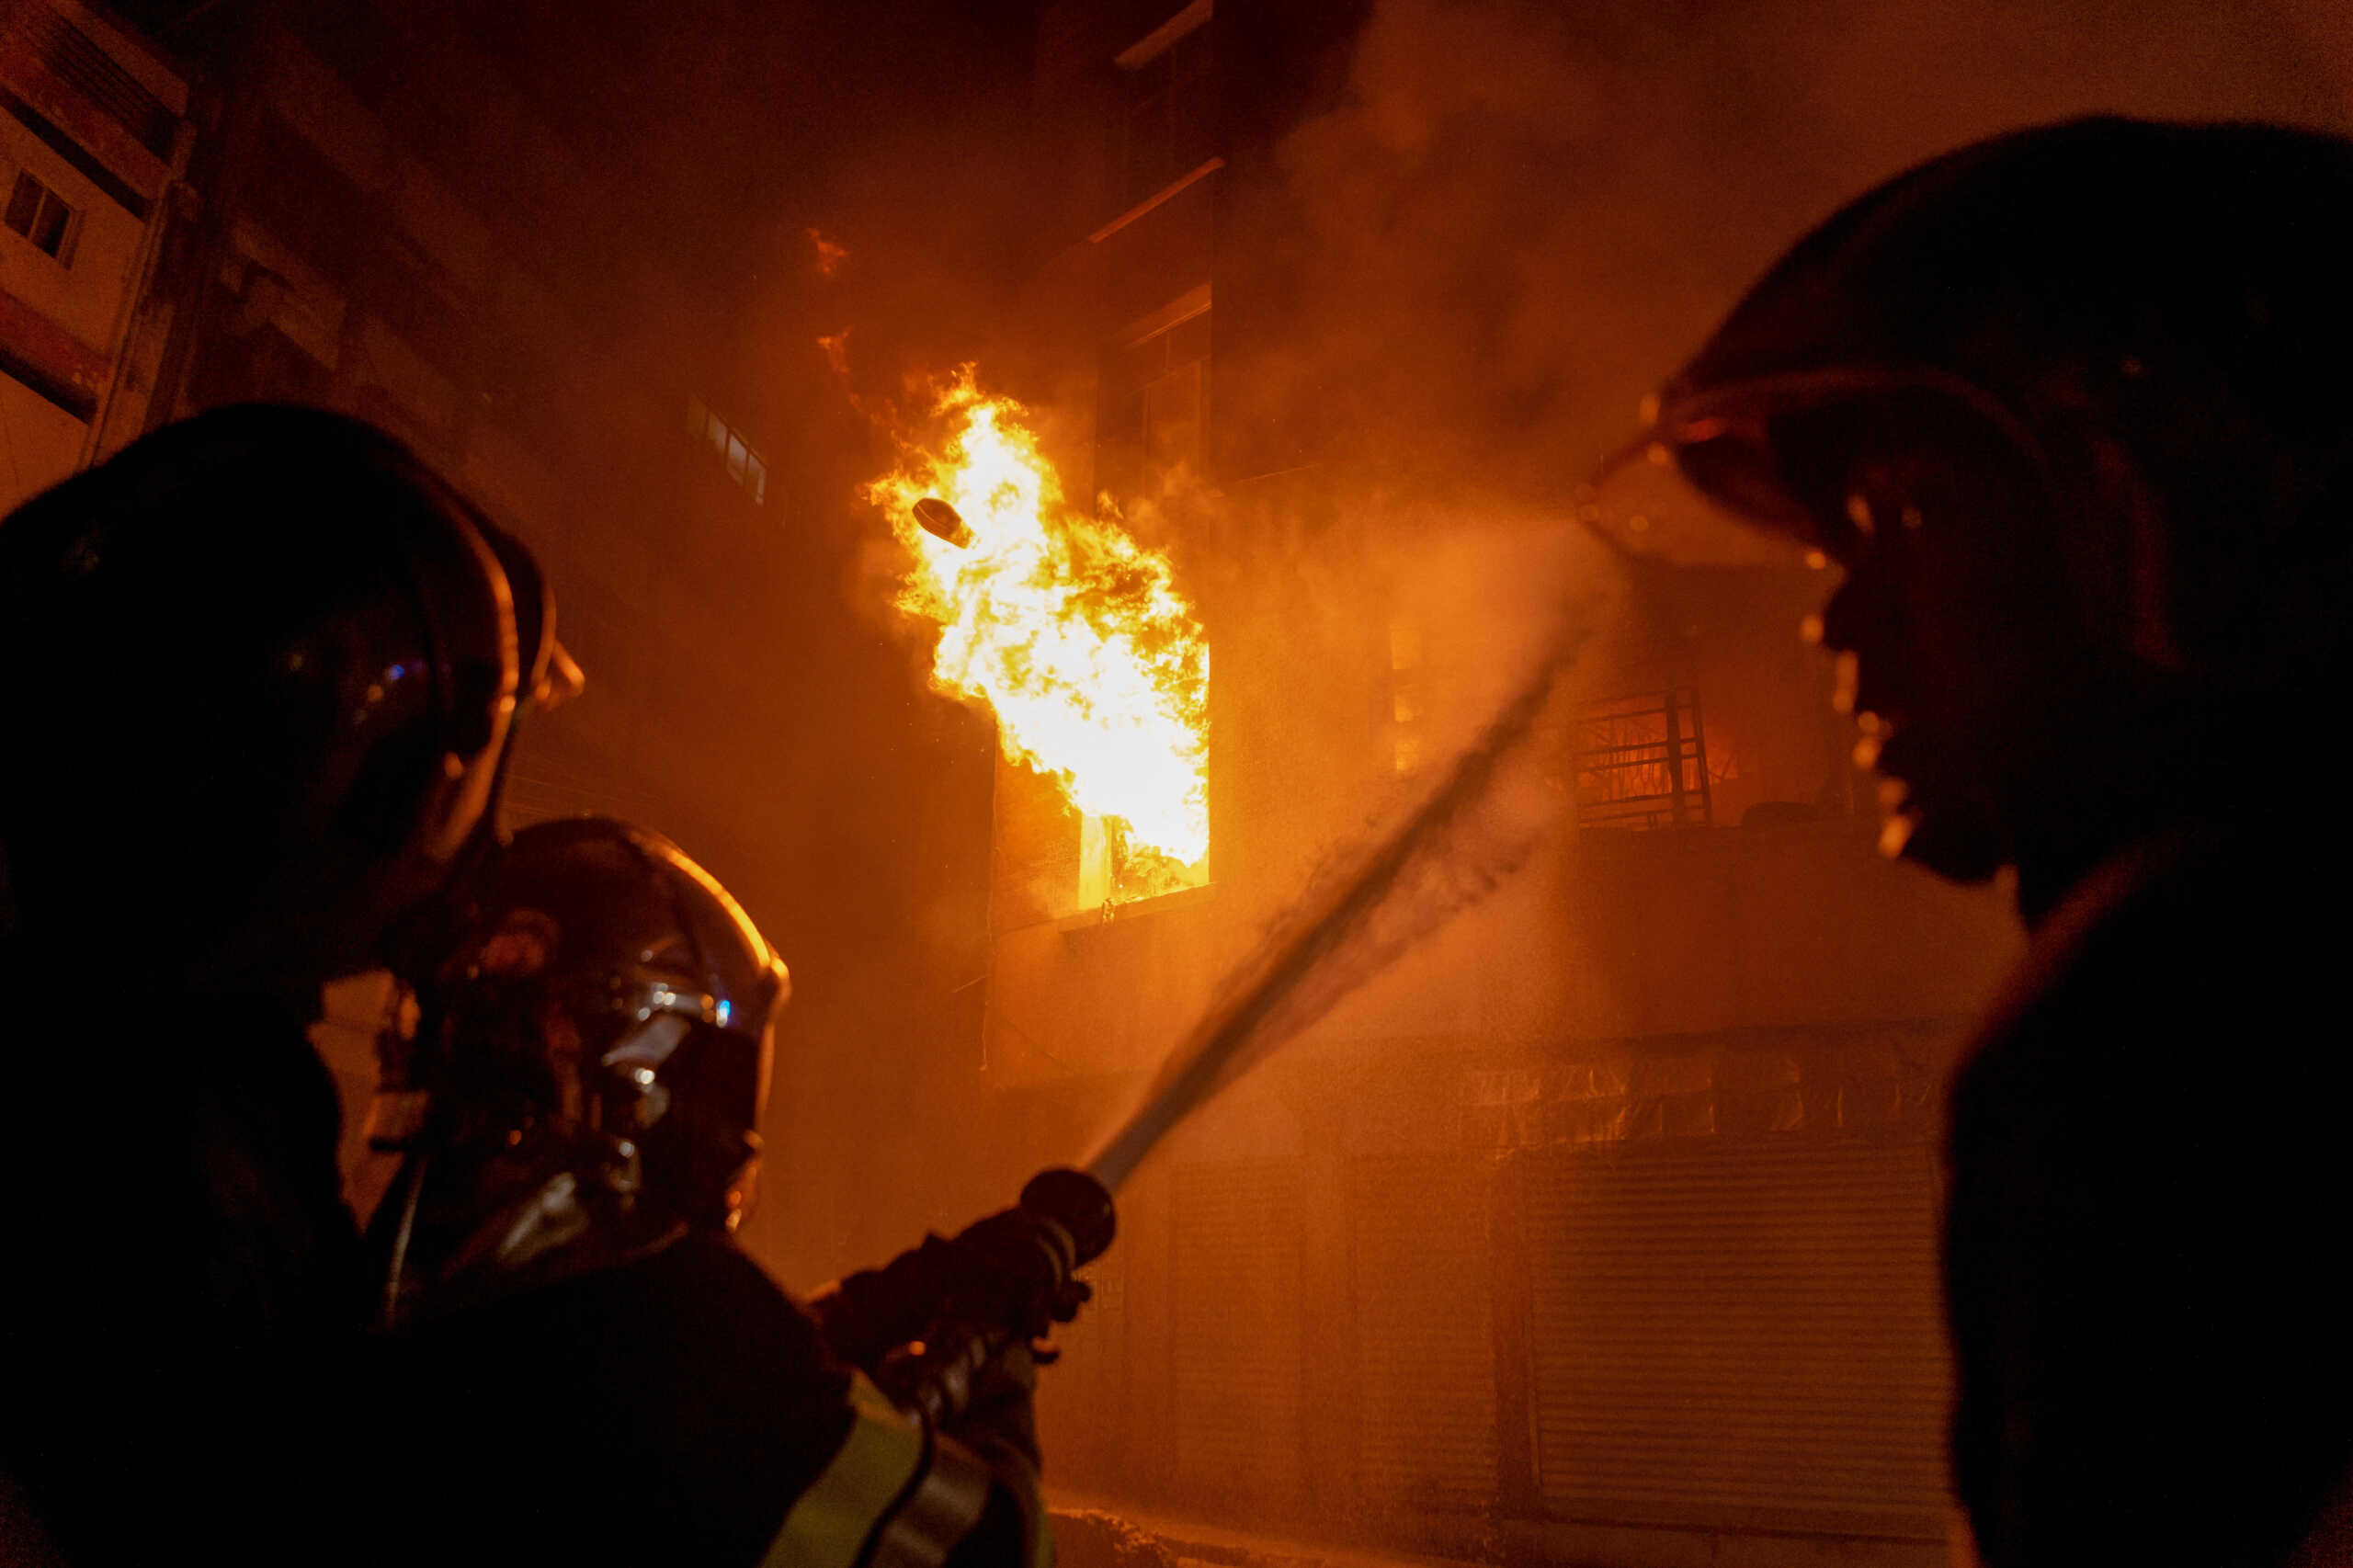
[(865, 1316), (1009, 1270), (1013, 1266)]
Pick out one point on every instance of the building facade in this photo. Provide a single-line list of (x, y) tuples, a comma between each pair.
[(1603, 1227), (94, 138)]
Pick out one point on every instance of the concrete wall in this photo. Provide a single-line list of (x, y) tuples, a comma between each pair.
[(40, 442)]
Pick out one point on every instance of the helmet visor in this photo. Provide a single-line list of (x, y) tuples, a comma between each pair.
[(1754, 478)]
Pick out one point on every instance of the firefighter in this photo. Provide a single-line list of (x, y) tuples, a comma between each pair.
[(2072, 411), (259, 672), (578, 1331)]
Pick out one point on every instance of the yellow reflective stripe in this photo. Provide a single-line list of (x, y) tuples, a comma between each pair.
[(831, 1521)]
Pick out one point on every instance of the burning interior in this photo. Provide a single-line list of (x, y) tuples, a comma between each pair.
[(1074, 638)]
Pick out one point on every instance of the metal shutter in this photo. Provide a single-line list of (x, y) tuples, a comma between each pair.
[(1426, 1359), (1237, 1339), (1739, 1330)]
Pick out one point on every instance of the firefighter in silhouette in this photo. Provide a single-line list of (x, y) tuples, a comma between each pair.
[(578, 1333), (2072, 411), (258, 673)]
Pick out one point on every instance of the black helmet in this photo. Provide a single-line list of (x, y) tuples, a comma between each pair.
[(589, 1070), (259, 670), (2150, 321)]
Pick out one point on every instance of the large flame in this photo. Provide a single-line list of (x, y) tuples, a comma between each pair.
[(1074, 633)]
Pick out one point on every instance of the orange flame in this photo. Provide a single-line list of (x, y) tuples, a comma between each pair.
[(1074, 633)]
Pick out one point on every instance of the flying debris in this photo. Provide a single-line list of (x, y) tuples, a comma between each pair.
[(941, 520)]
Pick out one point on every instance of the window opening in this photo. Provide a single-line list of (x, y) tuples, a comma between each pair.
[(1641, 762), (1166, 124), (744, 463), (1406, 706), (1112, 870), (1155, 413), (43, 216)]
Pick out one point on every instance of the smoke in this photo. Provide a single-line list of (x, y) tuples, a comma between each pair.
[(1355, 920), (1517, 218), (1440, 291)]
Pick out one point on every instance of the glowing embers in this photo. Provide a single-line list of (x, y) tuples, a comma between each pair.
[(1072, 633)]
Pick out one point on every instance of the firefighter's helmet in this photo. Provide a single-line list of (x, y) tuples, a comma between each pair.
[(2149, 321), (260, 669), (2074, 408), (592, 1059)]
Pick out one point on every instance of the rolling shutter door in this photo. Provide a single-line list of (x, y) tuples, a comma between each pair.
[(1237, 1332), (1739, 1334), (1426, 1359)]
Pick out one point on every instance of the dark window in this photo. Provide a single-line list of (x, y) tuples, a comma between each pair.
[(745, 464), (399, 287), (42, 216), (261, 366), (1166, 125), (1155, 413), (297, 193)]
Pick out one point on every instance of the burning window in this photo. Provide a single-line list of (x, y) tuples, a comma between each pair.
[(43, 216), (745, 465), (1166, 125), (1408, 702), (1076, 636), (1641, 762)]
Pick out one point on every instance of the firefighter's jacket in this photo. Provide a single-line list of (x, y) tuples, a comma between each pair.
[(2150, 1175), (682, 1409)]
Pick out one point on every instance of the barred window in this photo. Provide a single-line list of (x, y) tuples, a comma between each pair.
[(1642, 761)]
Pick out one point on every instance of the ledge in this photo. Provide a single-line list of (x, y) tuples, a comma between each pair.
[(1201, 172), (1116, 914)]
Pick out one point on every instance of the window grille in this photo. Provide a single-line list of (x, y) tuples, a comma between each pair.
[(1641, 762)]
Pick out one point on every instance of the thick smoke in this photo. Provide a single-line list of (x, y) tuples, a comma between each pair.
[(1521, 216)]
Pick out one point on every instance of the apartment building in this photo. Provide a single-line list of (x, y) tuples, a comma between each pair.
[(93, 138)]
